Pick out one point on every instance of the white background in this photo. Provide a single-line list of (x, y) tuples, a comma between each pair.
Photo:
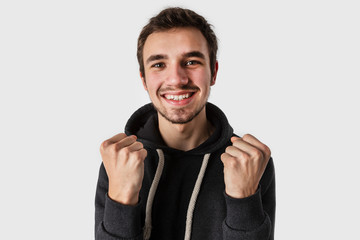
[(69, 80)]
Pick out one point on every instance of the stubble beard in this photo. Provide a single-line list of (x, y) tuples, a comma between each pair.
[(178, 112), (180, 116)]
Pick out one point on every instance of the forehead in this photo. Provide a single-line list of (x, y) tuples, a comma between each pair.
[(176, 41)]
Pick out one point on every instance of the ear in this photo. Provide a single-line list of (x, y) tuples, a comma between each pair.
[(213, 80), (143, 81)]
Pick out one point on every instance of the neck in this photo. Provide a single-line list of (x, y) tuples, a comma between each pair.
[(186, 136)]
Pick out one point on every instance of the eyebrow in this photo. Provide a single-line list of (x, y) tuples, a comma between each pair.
[(155, 58), (194, 54)]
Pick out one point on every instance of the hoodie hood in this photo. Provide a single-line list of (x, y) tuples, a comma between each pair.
[(182, 188), (144, 124)]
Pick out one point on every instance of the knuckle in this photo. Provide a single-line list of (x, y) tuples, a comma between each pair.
[(142, 154), (140, 145), (229, 161), (232, 162), (117, 147), (122, 135), (112, 148), (137, 155), (222, 157), (103, 145), (258, 154), (246, 137), (267, 150), (245, 160), (124, 152), (145, 153)]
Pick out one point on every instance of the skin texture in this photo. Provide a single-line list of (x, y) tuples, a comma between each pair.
[(168, 70), (123, 159), (176, 63), (244, 164)]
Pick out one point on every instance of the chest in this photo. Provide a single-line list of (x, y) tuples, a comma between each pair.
[(173, 197)]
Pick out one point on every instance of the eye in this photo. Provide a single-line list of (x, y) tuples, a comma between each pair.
[(192, 62), (158, 65)]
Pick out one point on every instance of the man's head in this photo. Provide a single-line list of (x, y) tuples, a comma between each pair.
[(177, 57), (175, 18)]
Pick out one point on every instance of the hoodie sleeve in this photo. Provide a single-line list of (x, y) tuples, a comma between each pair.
[(253, 217), (114, 221)]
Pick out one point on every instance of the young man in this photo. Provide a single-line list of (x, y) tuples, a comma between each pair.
[(178, 171)]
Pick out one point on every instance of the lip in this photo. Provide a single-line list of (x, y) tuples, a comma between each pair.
[(182, 102)]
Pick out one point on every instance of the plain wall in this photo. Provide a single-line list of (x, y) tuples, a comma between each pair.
[(288, 73)]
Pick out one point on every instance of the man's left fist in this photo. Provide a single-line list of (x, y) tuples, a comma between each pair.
[(244, 164)]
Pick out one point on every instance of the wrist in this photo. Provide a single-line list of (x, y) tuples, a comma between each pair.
[(128, 216), (251, 209), (123, 198), (240, 193)]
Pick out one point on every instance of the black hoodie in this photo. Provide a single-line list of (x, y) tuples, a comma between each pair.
[(183, 192)]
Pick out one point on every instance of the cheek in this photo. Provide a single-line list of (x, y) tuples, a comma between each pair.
[(153, 83), (201, 78)]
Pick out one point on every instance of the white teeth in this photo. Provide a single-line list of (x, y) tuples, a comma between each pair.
[(177, 97)]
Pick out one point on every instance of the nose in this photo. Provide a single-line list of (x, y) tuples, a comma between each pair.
[(177, 75)]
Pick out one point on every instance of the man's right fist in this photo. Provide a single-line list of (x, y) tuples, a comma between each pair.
[(123, 159)]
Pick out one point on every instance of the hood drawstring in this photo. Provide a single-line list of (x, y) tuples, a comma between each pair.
[(194, 195), (154, 185)]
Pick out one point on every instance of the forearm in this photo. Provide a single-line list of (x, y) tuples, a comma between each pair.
[(115, 221), (254, 216), (246, 219)]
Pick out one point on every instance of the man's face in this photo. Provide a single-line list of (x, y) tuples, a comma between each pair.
[(177, 73)]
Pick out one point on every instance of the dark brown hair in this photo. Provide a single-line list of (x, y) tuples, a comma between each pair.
[(173, 18)]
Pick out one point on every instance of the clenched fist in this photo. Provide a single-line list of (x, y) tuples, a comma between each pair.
[(244, 164), (123, 159)]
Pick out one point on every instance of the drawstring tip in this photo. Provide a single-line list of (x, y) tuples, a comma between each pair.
[(147, 232)]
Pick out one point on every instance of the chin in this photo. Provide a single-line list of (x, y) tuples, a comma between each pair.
[(180, 116)]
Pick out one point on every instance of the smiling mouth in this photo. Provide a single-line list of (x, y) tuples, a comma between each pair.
[(178, 97)]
